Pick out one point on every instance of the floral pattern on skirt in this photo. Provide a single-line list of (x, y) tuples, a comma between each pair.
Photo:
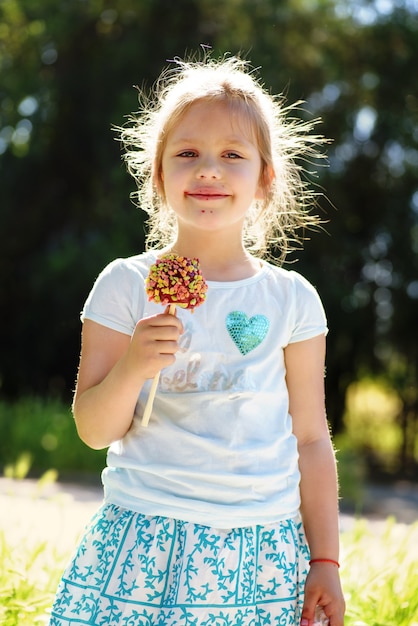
[(136, 570)]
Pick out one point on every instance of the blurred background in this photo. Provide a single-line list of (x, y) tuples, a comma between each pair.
[(67, 74)]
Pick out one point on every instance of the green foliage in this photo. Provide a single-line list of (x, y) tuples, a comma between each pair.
[(29, 576), (374, 430), (39, 434), (370, 420), (380, 574)]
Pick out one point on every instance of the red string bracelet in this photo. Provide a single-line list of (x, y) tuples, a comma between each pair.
[(324, 561)]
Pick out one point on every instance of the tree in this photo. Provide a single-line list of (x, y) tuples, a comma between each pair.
[(67, 76)]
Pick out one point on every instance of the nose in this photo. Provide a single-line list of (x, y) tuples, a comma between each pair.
[(208, 167)]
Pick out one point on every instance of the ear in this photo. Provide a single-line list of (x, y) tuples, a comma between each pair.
[(267, 177)]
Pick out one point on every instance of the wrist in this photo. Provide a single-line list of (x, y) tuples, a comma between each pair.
[(325, 561)]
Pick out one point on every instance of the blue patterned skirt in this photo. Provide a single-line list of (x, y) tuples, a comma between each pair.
[(136, 570)]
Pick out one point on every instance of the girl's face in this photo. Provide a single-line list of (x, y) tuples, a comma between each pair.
[(211, 168)]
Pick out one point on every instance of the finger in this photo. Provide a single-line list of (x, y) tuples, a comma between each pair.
[(166, 319), (164, 326), (167, 347), (307, 617), (164, 333), (308, 610), (336, 618)]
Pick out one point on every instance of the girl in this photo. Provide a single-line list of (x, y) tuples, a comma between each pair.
[(209, 511)]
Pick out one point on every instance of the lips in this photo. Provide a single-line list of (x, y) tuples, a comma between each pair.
[(207, 193)]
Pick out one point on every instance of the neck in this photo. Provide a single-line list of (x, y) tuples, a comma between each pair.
[(218, 262)]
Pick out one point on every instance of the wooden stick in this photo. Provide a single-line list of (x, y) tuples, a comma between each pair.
[(150, 402)]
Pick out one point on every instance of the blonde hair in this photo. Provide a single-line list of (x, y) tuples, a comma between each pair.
[(283, 142)]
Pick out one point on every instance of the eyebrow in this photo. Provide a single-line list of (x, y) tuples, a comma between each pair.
[(231, 141)]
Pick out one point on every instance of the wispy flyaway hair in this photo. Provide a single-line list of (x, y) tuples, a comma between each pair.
[(285, 142)]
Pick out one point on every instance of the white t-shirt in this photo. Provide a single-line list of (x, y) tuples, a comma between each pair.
[(219, 448)]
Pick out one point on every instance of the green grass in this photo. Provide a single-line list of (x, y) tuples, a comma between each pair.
[(379, 574), (28, 578)]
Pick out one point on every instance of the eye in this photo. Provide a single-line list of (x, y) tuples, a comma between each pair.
[(187, 154), (232, 155)]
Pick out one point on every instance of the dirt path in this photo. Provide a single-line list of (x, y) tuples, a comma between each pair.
[(57, 513)]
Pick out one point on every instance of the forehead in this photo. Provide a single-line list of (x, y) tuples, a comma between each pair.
[(219, 115)]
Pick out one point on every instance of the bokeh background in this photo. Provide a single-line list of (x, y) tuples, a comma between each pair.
[(68, 70)]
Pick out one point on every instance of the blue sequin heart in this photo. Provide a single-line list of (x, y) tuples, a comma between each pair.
[(246, 333)]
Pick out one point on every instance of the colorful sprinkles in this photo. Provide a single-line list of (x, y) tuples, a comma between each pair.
[(176, 280)]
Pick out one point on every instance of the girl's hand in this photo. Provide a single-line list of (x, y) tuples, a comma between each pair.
[(154, 344), (323, 588), (113, 369)]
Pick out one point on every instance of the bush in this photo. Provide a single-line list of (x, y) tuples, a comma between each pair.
[(39, 434)]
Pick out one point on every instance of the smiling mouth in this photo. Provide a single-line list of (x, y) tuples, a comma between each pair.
[(206, 195)]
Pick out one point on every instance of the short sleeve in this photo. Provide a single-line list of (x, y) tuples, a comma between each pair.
[(309, 315), (114, 299)]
